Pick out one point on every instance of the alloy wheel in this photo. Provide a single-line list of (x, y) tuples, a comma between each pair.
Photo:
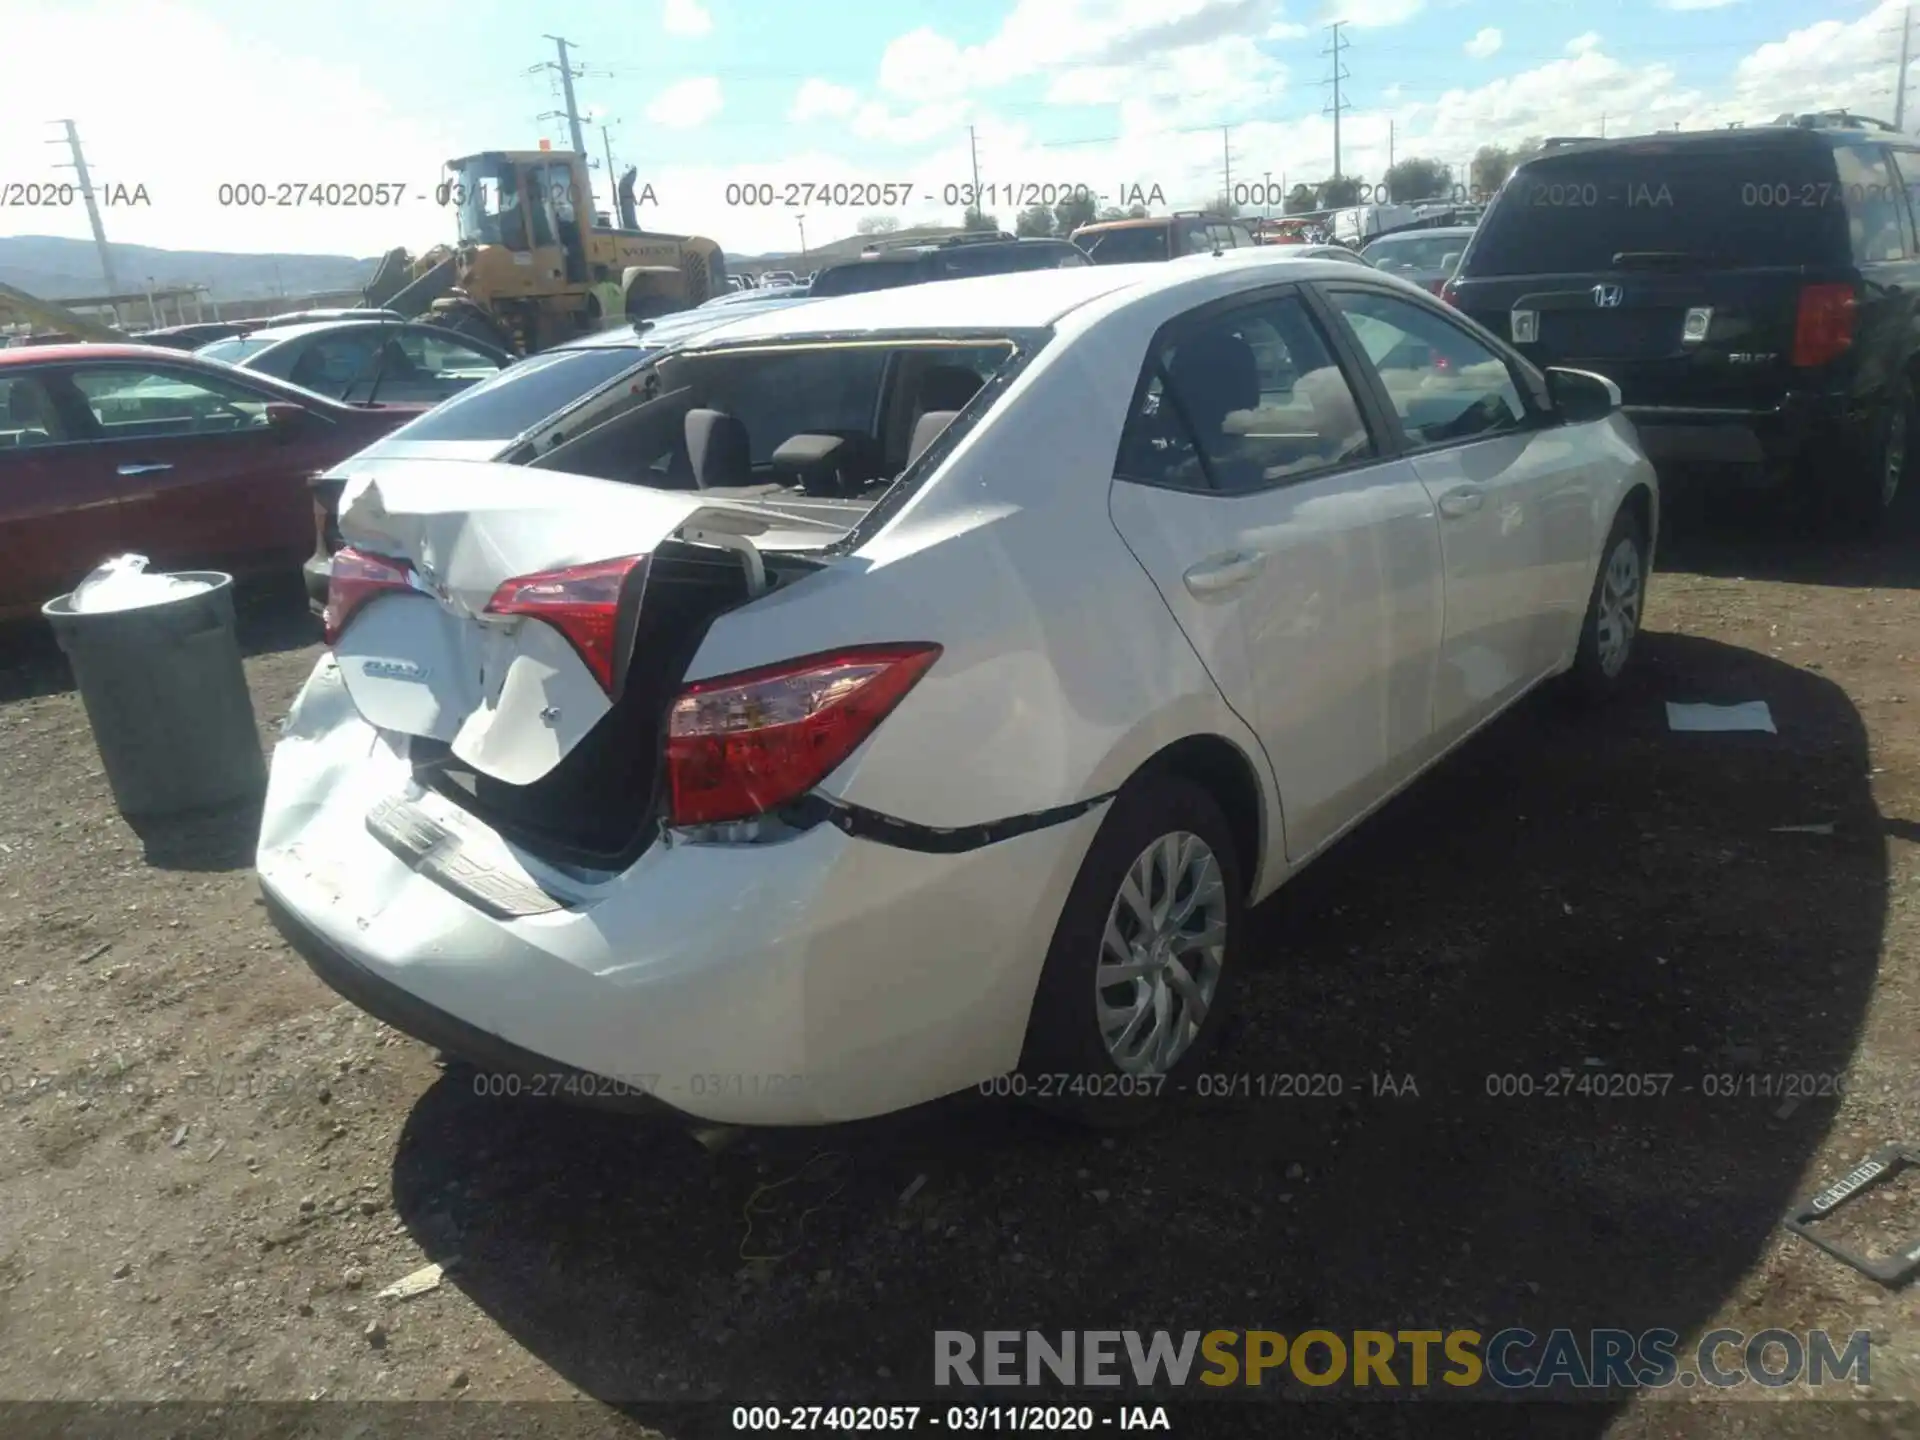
[(1161, 954), (1622, 587), (1893, 458)]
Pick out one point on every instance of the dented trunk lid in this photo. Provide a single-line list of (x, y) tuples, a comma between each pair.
[(509, 695)]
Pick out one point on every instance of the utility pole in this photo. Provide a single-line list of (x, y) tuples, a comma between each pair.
[(1334, 47), (973, 149), (79, 168), (1388, 177), (565, 67), (1226, 165), (1603, 124), (1900, 91), (801, 221), (613, 184)]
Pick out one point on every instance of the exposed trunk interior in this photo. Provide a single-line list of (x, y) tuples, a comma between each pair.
[(595, 807)]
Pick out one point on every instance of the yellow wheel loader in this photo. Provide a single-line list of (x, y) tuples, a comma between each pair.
[(533, 265)]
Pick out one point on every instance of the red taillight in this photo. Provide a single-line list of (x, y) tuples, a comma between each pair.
[(1823, 329), (739, 745), (582, 602), (355, 578)]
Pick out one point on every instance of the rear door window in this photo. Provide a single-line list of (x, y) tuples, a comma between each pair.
[(1876, 218), (522, 395), (1734, 206), (27, 414)]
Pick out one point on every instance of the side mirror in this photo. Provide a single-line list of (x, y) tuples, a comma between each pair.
[(285, 418), (1580, 395)]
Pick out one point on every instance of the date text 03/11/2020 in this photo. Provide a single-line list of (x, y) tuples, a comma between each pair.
[(869, 194)]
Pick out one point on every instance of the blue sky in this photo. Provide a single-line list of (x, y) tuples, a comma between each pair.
[(701, 94)]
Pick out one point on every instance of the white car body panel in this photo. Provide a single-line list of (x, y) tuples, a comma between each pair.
[(716, 969)]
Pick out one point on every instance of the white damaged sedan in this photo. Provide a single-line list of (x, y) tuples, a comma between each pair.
[(872, 699)]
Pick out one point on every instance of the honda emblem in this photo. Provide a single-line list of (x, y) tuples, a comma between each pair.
[(1608, 297)]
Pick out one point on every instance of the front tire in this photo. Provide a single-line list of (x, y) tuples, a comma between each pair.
[(1611, 627), (1144, 959)]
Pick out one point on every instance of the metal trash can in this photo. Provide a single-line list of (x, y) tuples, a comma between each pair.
[(167, 698)]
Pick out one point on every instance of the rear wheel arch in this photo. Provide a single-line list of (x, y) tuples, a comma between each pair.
[(1224, 771)]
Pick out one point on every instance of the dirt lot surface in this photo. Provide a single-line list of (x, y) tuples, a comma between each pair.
[(209, 1165)]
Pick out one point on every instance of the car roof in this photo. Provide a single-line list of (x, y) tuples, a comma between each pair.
[(1144, 222), (1021, 300), (677, 325), (89, 350), (277, 333), (1443, 231), (910, 251), (1752, 137)]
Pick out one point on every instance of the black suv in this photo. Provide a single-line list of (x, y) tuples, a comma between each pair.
[(1751, 291), (957, 256)]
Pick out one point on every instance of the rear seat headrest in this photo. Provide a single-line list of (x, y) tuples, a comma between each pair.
[(718, 450), (947, 387), (926, 430)]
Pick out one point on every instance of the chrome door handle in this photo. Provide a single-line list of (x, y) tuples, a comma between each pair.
[(1463, 501), (141, 469), (1224, 572)]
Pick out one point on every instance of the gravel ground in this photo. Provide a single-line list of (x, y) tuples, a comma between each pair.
[(209, 1166)]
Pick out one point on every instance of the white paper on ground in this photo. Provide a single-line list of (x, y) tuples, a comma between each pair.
[(1747, 715), (124, 584)]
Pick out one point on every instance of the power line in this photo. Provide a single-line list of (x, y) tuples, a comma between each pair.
[(1334, 47)]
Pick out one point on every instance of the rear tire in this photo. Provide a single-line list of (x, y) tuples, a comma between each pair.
[(1615, 610), (1871, 482), (1135, 987)]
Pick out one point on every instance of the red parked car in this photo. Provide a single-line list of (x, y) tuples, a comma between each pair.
[(195, 464)]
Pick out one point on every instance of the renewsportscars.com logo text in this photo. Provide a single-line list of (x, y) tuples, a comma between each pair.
[(1512, 1359)]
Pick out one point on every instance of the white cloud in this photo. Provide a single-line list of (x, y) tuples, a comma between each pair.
[(1136, 37), (686, 17), (822, 100), (1374, 14), (1584, 44), (686, 104), (1483, 44), (306, 122)]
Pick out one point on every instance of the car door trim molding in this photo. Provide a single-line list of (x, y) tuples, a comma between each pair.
[(864, 824)]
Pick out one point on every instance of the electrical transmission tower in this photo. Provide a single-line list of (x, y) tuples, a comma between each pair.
[(1336, 106), (568, 74), (79, 167)]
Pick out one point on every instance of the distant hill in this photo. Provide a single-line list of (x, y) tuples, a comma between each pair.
[(55, 268)]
